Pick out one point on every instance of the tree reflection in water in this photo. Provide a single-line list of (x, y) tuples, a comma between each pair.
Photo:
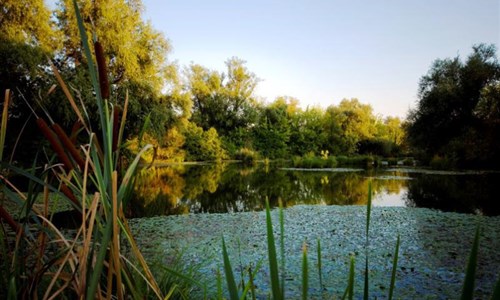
[(221, 188)]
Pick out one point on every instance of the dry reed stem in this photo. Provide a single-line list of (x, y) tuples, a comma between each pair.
[(68, 95), (5, 116), (147, 272)]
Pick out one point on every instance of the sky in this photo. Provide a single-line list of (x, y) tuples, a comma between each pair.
[(321, 51)]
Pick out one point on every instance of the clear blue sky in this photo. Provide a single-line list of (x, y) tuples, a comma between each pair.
[(323, 51)]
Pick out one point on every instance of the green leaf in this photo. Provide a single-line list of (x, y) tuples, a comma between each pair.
[(468, 287), (273, 262), (394, 268), (231, 283)]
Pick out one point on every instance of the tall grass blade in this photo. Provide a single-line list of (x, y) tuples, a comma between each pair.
[(320, 267), (228, 270), (219, 285), (250, 286), (367, 244), (394, 268), (468, 287), (90, 64), (305, 271), (350, 285), (273, 262), (282, 247)]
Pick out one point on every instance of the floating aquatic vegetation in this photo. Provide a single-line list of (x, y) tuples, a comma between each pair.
[(432, 254)]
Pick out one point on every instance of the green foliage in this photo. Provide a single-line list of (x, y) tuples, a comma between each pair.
[(223, 101), (202, 145), (455, 101), (247, 156)]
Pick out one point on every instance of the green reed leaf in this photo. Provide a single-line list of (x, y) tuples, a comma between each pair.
[(394, 268), (468, 286), (228, 270)]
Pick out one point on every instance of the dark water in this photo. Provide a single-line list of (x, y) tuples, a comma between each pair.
[(222, 188)]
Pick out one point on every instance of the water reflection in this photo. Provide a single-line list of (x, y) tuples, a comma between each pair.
[(221, 188)]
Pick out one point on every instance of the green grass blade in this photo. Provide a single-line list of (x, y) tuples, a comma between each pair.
[(250, 286), (282, 247), (219, 285), (468, 286), (367, 244), (350, 285), (305, 271), (231, 283), (320, 273), (90, 64), (273, 262), (394, 268)]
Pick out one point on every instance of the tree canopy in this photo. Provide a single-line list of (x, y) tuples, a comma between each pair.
[(455, 114)]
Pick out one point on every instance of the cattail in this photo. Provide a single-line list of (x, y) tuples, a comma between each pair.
[(75, 130), (56, 145), (116, 126), (68, 193), (102, 70), (69, 145), (8, 218)]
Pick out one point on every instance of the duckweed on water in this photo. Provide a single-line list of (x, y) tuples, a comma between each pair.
[(432, 256)]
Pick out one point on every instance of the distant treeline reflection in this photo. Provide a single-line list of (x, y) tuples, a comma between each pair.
[(222, 188)]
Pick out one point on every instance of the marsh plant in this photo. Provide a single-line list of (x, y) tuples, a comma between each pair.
[(41, 260)]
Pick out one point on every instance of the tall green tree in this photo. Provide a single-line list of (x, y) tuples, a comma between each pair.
[(224, 101), (272, 132), (348, 123), (450, 117)]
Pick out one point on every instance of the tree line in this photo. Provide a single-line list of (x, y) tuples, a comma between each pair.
[(194, 113)]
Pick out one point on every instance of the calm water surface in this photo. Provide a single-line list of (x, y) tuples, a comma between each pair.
[(221, 188)]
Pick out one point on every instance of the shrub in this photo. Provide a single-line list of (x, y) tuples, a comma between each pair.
[(331, 162), (247, 156)]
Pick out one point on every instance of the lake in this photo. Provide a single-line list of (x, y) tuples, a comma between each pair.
[(221, 188), (184, 210)]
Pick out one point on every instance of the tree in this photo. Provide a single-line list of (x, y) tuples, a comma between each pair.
[(134, 50), (348, 123), (224, 101), (272, 132), (447, 120), (308, 132)]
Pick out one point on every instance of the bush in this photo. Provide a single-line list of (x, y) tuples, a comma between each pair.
[(331, 162), (247, 156)]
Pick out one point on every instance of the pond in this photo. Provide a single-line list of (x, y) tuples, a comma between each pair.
[(184, 210), (221, 188)]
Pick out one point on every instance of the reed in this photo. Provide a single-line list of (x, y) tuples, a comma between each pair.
[(305, 272), (468, 286), (90, 263), (394, 268)]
